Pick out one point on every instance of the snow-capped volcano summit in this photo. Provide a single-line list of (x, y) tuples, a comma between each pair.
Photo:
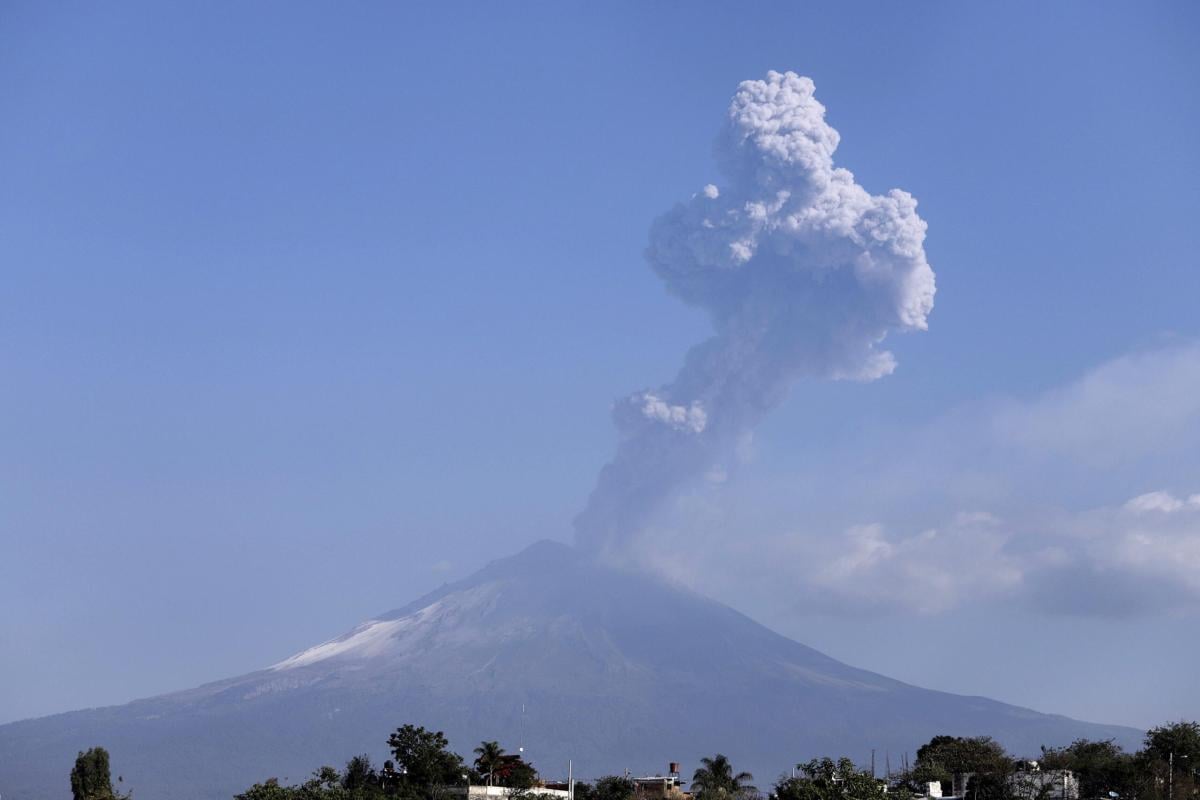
[(548, 650)]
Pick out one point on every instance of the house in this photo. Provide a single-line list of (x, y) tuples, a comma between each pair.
[(661, 787)]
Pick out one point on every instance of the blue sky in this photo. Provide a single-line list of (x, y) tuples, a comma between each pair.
[(306, 311)]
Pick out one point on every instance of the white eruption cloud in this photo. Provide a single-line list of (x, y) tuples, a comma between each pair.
[(691, 418), (803, 274)]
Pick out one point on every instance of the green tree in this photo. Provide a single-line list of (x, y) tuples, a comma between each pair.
[(423, 761), (1101, 767), (360, 778), (488, 757), (515, 773), (325, 784), (1170, 761), (91, 778), (610, 787), (1179, 738), (826, 779), (715, 780), (358, 782), (996, 786), (267, 790), (943, 757)]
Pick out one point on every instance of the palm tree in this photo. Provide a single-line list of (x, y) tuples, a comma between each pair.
[(715, 780), (489, 755)]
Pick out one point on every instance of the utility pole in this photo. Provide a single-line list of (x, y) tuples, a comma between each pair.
[(872, 763), (1171, 777)]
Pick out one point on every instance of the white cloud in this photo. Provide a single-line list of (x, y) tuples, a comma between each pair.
[(878, 525), (1128, 407), (1141, 556), (926, 572), (1154, 501), (681, 418)]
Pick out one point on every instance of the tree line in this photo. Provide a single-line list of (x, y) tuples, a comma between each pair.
[(423, 767), (1166, 768)]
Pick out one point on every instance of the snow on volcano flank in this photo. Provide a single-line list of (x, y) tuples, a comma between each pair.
[(802, 272), (453, 619)]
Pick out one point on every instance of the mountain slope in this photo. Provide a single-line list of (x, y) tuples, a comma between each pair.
[(614, 670)]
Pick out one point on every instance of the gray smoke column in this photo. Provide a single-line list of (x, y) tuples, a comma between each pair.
[(803, 274)]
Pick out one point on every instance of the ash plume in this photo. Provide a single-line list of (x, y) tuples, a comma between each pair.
[(803, 274)]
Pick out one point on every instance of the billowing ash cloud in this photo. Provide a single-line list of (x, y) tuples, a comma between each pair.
[(803, 273)]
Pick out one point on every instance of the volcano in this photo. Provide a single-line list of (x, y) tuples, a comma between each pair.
[(548, 650)]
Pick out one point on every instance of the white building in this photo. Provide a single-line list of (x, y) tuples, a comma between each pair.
[(504, 793)]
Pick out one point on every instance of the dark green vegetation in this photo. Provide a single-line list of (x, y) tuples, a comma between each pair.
[(424, 768), (716, 780), (826, 779), (91, 778), (610, 787), (1165, 768)]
